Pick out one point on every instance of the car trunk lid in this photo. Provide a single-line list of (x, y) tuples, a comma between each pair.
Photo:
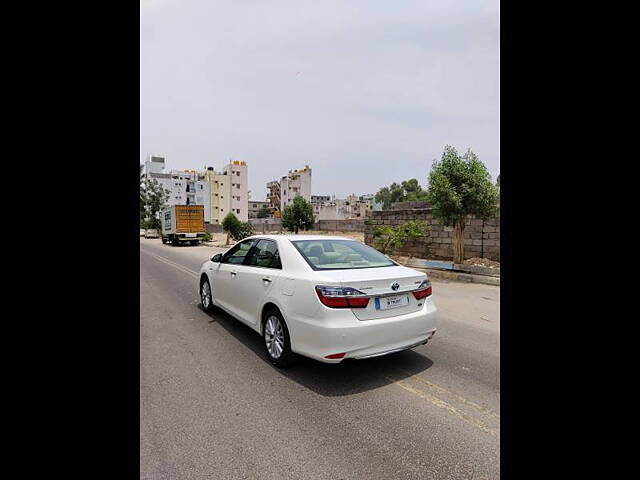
[(378, 283)]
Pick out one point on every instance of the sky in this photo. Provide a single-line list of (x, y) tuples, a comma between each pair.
[(364, 92)]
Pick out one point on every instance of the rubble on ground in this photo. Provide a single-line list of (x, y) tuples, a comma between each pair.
[(482, 262)]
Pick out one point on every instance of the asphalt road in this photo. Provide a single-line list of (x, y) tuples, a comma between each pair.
[(211, 406)]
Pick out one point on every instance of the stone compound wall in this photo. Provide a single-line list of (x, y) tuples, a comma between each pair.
[(352, 225), (481, 238), (264, 225)]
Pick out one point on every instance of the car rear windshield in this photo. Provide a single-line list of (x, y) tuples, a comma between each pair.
[(340, 254)]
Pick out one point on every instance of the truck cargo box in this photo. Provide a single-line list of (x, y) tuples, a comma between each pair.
[(182, 223)]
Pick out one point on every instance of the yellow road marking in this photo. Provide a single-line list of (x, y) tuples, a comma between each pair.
[(462, 399), (444, 405)]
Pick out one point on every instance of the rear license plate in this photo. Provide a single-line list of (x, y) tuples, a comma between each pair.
[(395, 301), (190, 235)]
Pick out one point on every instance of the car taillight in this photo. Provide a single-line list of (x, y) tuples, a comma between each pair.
[(342, 297), (335, 356), (424, 290)]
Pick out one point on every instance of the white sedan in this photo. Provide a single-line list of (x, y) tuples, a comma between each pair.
[(327, 298)]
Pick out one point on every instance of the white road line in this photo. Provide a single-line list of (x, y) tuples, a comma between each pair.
[(172, 264)]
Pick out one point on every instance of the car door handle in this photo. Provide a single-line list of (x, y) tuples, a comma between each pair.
[(266, 279), (233, 273)]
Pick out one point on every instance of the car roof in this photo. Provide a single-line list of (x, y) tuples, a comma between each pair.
[(302, 237)]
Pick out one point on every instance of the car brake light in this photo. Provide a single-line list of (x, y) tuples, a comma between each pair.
[(424, 290), (334, 356), (342, 297)]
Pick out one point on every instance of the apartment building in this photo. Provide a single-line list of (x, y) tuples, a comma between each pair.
[(274, 198), (229, 191), (186, 187), (255, 206), (332, 208), (295, 183)]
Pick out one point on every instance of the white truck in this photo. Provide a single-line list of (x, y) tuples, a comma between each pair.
[(182, 224)]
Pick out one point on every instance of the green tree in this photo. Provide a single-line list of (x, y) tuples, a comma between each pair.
[(263, 212), (460, 186), (230, 225), (407, 191), (153, 197), (388, 239), (298, 215)]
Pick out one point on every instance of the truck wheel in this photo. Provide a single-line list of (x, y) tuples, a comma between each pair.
[(175, 242), (164, 240)]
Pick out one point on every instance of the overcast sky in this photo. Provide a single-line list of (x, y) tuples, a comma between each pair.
[(364, 92)]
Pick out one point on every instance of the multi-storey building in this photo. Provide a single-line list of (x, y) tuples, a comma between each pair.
[(219, 192), (296, 183), (186, 187), (255, 206), (229, 191), (332, 208), (273, 197)]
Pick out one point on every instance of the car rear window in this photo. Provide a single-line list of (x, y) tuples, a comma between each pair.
[(340, 254)]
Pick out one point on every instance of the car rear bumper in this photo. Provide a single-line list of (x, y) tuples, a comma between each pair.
[(359, 339)]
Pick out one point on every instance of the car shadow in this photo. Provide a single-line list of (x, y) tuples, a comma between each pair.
[(331, 380)]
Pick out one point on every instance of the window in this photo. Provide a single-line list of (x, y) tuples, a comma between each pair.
[(237, 185), (265, 254), (238, 210), (340, 255), (238, 253), (238, 173)]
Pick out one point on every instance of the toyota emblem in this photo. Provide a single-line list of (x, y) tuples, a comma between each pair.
[(395, 286)]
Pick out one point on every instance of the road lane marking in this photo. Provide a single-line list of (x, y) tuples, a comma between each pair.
[(444, 405), (455, 395), (172, 264)]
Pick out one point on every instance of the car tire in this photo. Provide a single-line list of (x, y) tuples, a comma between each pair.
[(206, 295), (276, 340)]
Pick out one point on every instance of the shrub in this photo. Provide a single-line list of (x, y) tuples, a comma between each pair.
[(243, 230), (389, 239)]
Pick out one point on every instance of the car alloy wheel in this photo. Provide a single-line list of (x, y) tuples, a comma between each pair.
[(205, 296), (274, 337)]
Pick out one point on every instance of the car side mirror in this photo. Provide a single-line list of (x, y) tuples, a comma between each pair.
[(216, 258)]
